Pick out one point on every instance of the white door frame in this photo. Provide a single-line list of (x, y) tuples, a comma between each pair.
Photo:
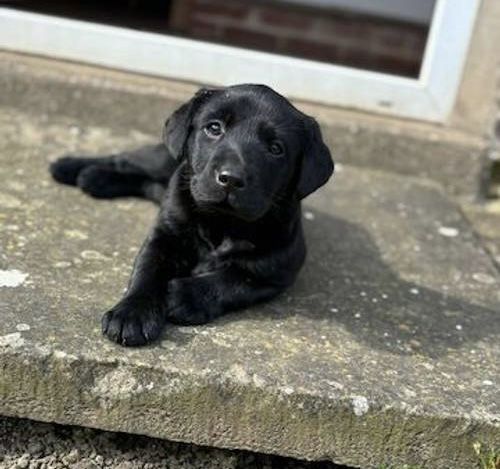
[(430, 97)]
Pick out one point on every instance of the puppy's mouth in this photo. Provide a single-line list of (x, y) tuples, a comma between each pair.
[(225, 203), (220, 203), (228, 204)]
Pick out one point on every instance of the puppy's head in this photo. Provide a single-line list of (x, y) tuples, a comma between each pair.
[(248, 149)]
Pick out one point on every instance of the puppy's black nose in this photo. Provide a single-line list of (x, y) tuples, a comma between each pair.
[(230, 180)]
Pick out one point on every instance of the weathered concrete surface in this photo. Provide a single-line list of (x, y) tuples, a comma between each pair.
[(96, 97), (386, 350)]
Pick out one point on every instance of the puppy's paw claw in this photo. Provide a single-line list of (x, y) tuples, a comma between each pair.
[(132, 322)]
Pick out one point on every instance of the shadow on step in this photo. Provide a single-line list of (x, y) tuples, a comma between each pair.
[(345, 282)]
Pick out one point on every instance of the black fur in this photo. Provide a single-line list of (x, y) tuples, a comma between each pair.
[(229, 176)]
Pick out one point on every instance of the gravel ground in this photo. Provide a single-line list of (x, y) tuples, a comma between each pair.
[(25, 444)]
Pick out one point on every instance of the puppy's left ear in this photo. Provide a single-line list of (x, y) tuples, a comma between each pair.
[(317, 165), (179, 124)]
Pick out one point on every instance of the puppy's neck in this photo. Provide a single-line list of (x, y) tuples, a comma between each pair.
[(277, 227)]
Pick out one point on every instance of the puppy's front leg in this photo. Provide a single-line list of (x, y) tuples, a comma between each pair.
[(167, 253), (243, 280), (140, 316), (198, 300)]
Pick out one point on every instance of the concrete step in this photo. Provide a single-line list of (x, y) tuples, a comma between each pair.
[(386, 351)]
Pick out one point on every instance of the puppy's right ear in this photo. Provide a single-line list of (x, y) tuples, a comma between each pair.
[(179, 124)]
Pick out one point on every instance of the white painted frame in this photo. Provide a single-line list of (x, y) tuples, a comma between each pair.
[(430, 97)]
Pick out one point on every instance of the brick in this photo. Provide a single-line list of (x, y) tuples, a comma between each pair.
[(249, 38), (199, 29), (357, 55), (398, 65), (285, 19), (312, 50), (180, 12), (340, 26), (352, 40), (390, 35), (233, 9)]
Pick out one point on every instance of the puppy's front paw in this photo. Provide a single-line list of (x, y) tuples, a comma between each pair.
[(66, 169), (133, 321)]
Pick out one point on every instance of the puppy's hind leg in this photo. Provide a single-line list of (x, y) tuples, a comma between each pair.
[(107, 183), (140, 173)]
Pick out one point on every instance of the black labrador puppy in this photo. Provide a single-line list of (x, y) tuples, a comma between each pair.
[(229, 176)]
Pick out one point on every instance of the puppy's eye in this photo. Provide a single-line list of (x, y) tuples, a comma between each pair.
[(276, 148), (214, 129)]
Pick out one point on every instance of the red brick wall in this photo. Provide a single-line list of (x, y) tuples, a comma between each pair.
[(323, 35)]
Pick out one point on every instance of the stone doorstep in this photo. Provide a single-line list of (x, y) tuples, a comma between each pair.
[(385, 351)]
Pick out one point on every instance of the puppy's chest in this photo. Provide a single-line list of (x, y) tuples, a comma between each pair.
[(209, 258), (208, 241), (215, 249)]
